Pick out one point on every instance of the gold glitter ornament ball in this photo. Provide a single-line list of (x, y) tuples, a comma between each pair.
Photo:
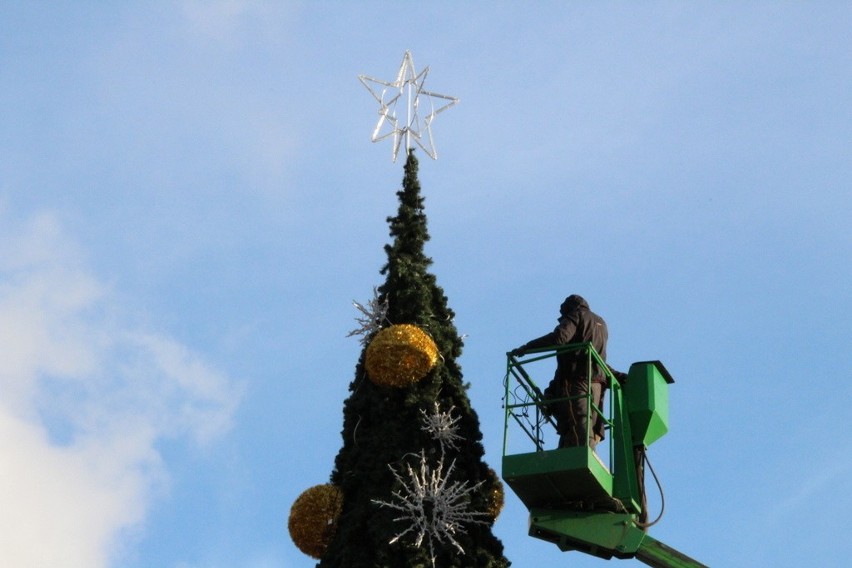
[(313, 518), (400, 355), (496, 496)]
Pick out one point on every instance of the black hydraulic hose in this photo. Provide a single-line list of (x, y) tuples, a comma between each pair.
[(642, 522)]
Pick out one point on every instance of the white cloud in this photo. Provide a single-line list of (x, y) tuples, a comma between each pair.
[(228, 22), (812, 489), (216, 19), (83, 400)]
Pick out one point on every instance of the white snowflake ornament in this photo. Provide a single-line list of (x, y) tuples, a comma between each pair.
[(373, 317), (434, 508)]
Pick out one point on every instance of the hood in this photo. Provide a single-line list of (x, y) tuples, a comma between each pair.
[(572, 303)]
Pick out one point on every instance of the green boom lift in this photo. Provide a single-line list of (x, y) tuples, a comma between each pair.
[(575, 499)]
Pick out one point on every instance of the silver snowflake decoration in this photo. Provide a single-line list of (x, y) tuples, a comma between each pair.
[(442, 427), (372, 317), (408, 90), (435, 509)]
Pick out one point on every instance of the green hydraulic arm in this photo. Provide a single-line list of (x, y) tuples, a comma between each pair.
[(658, 555), (576, 500)]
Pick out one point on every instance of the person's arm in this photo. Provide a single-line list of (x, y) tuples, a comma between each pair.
[(563, 333), (619, 376)]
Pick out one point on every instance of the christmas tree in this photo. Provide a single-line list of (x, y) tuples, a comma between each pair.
[(409, 486)]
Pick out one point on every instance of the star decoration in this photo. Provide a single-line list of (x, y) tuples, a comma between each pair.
[(408, 90)]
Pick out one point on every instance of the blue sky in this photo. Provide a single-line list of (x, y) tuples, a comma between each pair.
[(190, 202)]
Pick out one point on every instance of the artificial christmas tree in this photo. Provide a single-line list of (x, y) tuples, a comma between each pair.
[(416, 491)]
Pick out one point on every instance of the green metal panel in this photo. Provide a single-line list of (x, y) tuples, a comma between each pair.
[(625, 481), (598, 533), (646, 395), (557, 478), (605, 535)]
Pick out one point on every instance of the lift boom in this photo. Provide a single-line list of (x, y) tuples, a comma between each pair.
[(658, 555)]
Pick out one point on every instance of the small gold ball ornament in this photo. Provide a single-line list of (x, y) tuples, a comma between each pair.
[(400, 355), (313, 518)]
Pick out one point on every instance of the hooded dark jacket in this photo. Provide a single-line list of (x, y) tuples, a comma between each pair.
[(577, 324)]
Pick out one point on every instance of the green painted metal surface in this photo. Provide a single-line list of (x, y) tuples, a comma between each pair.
[(625, 480), (646, 395), (600, 534), (658, 555), (557, 478), (605, 535)]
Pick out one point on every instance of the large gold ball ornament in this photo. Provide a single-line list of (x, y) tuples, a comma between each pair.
[(313, 518), (496, 495), (400, 355)]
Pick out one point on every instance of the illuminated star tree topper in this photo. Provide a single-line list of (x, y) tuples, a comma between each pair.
[(408, 89)]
